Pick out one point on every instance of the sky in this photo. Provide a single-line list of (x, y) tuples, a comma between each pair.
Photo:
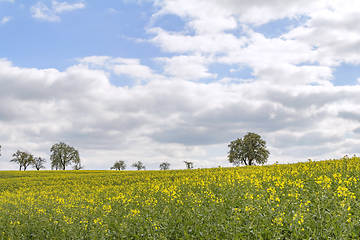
[(178, 80)]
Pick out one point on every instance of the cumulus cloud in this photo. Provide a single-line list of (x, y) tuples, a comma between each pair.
[(65, 7), (123, 66), (42, 11), (306, 54), (6, 19), (171, 116), (166, 119), (187, 67)]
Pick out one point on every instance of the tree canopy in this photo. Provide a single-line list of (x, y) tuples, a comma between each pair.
[(63, 155), (164, 166), (119, 165), (139, 165), (248, 150), (23, 158)]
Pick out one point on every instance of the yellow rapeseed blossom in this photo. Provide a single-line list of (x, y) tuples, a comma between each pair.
[(250, 202)]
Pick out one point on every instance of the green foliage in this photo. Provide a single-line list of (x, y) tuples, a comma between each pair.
[(138, 165), (119, 165), (164, 166), (23, 158), (63, 155), (249, 150)]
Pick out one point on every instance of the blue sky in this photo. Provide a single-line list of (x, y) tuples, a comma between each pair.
[(181, 79), (98, 29)]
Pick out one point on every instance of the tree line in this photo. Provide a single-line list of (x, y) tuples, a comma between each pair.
[(61, 156), (249, 150)]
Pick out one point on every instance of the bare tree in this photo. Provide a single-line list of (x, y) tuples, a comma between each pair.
[(189, 165), (38, 163), (78, 165)]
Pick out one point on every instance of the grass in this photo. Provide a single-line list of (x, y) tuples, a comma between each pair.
[(317, 200)]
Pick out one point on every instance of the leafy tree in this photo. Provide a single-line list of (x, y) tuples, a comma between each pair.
[(165, 166), (189, 165), (248, 150), (38, 163), (139, 165), (63, 155), (119, 165), (24, 159)]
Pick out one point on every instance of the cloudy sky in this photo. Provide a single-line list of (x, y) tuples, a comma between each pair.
[(177, 80)]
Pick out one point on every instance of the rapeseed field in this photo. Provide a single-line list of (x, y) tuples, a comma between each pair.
[(311, 200)]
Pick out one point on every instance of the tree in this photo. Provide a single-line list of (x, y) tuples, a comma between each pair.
[(189, 165), (165, 166), (63, 155), (119, 165), (139, 165), (38, 163), (248, 151), (78, 165), (24, 159)]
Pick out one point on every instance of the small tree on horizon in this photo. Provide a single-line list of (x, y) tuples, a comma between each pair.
[(248, 150), (78, 165), (119, 165), (138, 165), (23, 158), (189, 165), (164, 166), (38, 163)]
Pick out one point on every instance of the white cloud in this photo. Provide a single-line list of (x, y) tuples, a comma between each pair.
[(205, 43), (291, 101), (6, 19), (42, 11), (127, 66), (334, 33), (171, 119), (306, 54), (65, 7), (253, 12), (187, 67)]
